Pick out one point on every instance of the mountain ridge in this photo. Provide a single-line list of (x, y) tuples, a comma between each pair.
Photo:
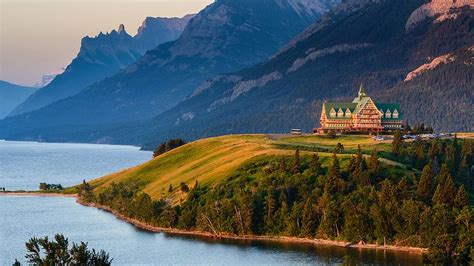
[(11, 95), (102, 56), (226, 36)]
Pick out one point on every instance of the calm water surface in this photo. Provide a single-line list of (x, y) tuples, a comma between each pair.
[(23, 165), (23, 217)]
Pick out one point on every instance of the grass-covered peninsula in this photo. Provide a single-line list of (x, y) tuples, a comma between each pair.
[(351, 189)]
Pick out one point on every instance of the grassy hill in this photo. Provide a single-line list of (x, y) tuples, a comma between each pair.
[(212, 160), (259, 185)]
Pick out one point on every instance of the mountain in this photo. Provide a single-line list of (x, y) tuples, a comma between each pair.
[(103, 56), (48, 78), (226, 36), (416, 53), (12, 95)]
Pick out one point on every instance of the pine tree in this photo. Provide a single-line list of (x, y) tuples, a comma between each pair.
[(374, 164), (334, 177), (438, 196), (297, 166), (397, 143), (335, 171), (315, 164), (449, 191), (282, 214), (339, 148), (462, 199), (307, 223), (426, 182), (443, 174), (420, 157)]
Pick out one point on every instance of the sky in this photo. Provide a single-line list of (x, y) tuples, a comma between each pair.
[(39, 37)]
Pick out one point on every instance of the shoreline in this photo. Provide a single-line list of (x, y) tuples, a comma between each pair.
[(36, 194), (208, 235), (280, 239)]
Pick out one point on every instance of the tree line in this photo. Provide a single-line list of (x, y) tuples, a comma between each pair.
[(353, 198)]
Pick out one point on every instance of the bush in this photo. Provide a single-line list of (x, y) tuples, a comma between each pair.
[(42, 251), (168, 146)]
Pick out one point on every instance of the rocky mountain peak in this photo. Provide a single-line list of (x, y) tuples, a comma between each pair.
[(121, 29), (437, 8)]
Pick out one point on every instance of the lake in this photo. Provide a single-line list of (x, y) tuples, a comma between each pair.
[(24, 164)]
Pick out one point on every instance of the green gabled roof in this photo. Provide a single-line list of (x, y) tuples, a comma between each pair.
[(392, 107), (336, 105), (361, 102), (353, 107)]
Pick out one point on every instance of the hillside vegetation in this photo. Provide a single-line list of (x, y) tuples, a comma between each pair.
[(405, 193), (210, 161)]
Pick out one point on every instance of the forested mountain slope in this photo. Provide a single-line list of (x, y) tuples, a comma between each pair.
[(426, 64), (226, 36)]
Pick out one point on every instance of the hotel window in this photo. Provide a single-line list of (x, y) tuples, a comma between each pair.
[(332, 113), (395, 114), (340, 113), (348, 112), (388, 114)]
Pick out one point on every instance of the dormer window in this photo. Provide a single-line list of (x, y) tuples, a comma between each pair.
[(395, 114), (381, 112), (332, 113), (340, 113), (348, 112), (388, 114)]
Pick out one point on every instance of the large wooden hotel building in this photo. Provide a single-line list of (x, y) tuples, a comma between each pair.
[(362, 115)]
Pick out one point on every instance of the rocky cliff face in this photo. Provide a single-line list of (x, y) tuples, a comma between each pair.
[(102, 56), (441, 9)]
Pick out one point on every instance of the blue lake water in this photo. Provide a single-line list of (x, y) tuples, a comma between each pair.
[(24, 164)]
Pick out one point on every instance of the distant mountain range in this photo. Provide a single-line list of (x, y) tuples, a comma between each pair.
[(418, 53), (103, 56), (12, 95), (226, 36)]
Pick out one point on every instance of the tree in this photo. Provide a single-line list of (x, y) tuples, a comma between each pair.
[(41, 251), (307, 221), (449, 191), (330, 223), (183, 187), (168, 146), (159, 150), (85, 192), (334, 182), (315, 164), (426, 183), (374, 164), (339, 148), (297, 166), (397, 143), (420, 156), (443, 174), (438, 197), (462, 199)]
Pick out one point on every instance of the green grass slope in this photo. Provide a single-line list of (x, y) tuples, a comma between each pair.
[(213, 160)]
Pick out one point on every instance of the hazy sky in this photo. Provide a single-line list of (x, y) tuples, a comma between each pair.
[(38, 37)]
